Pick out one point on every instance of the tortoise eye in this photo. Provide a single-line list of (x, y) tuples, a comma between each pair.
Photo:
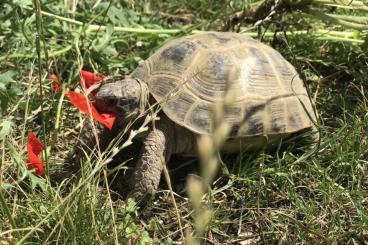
[(111, 101)]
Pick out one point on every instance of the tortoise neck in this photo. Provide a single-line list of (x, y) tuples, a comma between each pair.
[(143, 100)]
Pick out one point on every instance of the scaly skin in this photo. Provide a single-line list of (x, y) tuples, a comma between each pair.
[(166, 139), (147, 173)]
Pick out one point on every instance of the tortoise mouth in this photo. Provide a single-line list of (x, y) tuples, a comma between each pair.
[(106, 104)]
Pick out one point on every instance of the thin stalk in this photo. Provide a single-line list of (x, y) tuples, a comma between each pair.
[(31, 56), (356, 5), (39, 37), (92, 28), (7, 211), (319, 34), (168, 181), (340, 39), (2, 160), (353, 3), (58, 110), (357, 19), (347, 2), (113, 221), (325, 17)]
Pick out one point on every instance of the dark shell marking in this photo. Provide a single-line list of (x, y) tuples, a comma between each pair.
[(252, 110), (219, 66), (255, 127), (178, 52), (221, 39)]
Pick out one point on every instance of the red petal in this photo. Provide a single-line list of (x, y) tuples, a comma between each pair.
[(88, 79), (55, 83), (39, 166), (34, 144), (34, 148), (57, 87), (85, 105), (54, 78)]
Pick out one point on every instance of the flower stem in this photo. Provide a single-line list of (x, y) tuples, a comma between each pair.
[(333, 20)]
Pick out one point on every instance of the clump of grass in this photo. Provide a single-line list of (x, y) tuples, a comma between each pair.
[(269, 197)]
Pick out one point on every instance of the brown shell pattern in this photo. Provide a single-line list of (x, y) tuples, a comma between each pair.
[(189, 74)]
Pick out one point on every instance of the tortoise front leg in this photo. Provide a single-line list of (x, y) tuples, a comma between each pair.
[(91, 141), (146, 176)]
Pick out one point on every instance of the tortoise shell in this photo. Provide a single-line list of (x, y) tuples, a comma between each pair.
[(189, 74)]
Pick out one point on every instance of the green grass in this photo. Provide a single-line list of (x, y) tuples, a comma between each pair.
[(264, 197)]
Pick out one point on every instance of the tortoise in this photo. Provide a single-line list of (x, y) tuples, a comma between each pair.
[(186, 77)]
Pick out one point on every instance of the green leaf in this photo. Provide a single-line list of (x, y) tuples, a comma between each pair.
[(5, 91), (7, 77), (102, 43), (23, 3), (117, 16), (5, 128), (37, 181)]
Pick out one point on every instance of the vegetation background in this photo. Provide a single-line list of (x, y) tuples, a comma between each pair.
[(296, 195)]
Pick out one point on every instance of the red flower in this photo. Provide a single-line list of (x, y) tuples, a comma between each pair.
[(88, 79), (55, 83), (85, 105), (34, 148)]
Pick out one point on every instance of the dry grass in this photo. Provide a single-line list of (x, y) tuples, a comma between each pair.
[(260, 197)]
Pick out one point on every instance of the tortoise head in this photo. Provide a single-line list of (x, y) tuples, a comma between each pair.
[(125, 98)]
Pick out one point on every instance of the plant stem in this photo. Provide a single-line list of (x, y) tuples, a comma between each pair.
[(92, 28), (356, 5), (358, 19), (340, 39), (318, 34), (39, 37), (7, 211), (58, 110), (326, 17), (30, 56)]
